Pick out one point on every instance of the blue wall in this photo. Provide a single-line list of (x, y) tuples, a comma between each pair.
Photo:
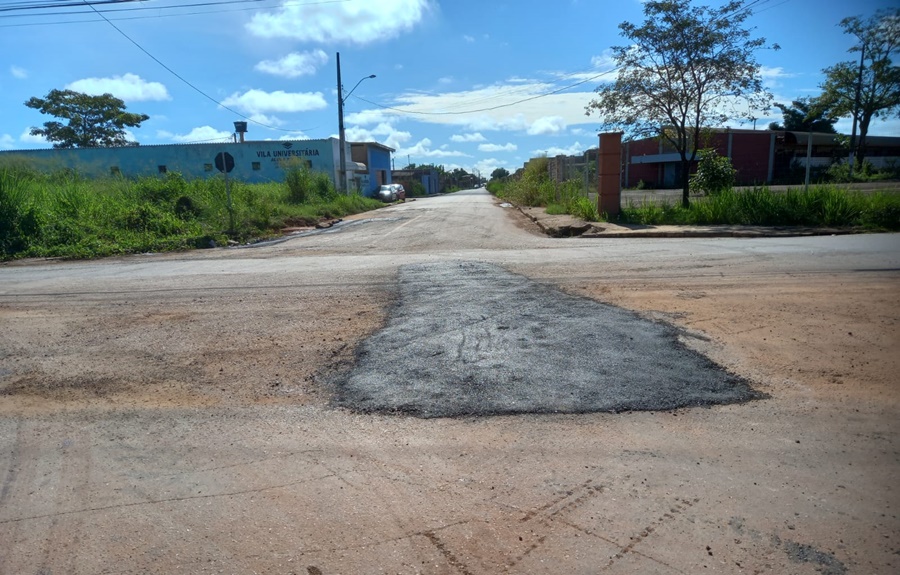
[(376, 160), (253, 161)]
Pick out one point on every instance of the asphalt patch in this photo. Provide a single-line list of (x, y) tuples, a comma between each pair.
[(472, 339)]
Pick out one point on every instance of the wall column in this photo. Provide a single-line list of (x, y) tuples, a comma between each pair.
[(609, 174)]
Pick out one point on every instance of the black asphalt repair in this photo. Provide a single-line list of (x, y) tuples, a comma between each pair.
[(472, 339)]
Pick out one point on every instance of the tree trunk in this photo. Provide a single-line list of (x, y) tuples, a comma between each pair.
[(861, 143), (685, 182)]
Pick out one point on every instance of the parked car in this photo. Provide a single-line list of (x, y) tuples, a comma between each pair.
[(387, 193), (401, 192)]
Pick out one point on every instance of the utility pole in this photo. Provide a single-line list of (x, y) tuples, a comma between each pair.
[(342, 176), (342, 171)]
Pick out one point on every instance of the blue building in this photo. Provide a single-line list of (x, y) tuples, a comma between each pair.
[(373, 166), (428, 177), (251, 161)]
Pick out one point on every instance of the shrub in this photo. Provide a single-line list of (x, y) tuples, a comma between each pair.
[(715, 173), (584, 209), (298, 180)]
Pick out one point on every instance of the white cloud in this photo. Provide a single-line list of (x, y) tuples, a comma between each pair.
[(468, 38), (7, 142), (259, 101), (486, 166), (771, 76), (603, 62), (294, 136), (366, 117), (547, 125), (510, 147), (422, 149), (27, 138), (130, 87), (294, 64), (201, 134), (356, 22), (506, 107), (445, 80), (575, 149), (267, 120), (476, 137), (383, 133), (17, 72)]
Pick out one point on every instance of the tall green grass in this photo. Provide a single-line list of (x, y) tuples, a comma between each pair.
[(60, 214), (534, 188), (819, 206)]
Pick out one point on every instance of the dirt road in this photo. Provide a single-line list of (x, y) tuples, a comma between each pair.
[(169, 413)]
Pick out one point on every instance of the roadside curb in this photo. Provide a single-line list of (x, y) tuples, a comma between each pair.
[(567, 226)]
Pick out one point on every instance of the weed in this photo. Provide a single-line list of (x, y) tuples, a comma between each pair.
[(819, 206), (60, 214)]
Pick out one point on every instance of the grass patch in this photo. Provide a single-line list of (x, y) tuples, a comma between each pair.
[(60, 214), (534, 188), (821, 206)]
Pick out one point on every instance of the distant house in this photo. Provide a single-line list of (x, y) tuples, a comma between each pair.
[(429, 178), (760, 157), (373, 161)]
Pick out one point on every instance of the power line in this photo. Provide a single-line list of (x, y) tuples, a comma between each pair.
[(743, 7), (153, 16), (195, 88), (497, 107)]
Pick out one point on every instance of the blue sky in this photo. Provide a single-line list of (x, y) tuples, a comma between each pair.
[(435, 61)]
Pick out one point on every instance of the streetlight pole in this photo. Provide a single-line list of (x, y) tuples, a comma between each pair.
[(342, 175)]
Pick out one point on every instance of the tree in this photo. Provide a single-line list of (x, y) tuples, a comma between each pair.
[(869, 88), (499, 174), (685, 69), (805, 116), (93, 121)]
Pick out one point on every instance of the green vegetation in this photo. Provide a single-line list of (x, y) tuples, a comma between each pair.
[(675, 70), (714, 175), (61, 214), (92, 121), (535, 188), (820, 206)]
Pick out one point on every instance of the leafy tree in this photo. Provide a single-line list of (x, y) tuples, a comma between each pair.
[(803, 116), (684, 69), (93, 121), (499, 174), (869, 88)]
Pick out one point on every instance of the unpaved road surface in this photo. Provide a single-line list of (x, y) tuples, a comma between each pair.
[(181, 413)]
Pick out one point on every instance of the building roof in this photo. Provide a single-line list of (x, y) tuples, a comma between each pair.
[(373, 145)]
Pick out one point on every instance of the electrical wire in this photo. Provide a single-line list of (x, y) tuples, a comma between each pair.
[(158, 15), (491, 108), (743, 7), (192, 86)]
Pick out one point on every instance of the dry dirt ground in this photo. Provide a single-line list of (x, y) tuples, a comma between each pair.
[(168, 432)]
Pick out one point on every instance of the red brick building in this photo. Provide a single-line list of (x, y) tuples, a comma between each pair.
[(759, 156)]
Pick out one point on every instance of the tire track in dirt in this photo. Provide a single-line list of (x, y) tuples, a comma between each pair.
[(61, 546)]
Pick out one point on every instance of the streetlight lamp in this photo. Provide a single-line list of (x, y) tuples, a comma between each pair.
[(341, 99)]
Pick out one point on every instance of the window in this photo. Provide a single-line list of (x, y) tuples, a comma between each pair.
[(207, 167), (256, 166), (114, 171), (162, 169)]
